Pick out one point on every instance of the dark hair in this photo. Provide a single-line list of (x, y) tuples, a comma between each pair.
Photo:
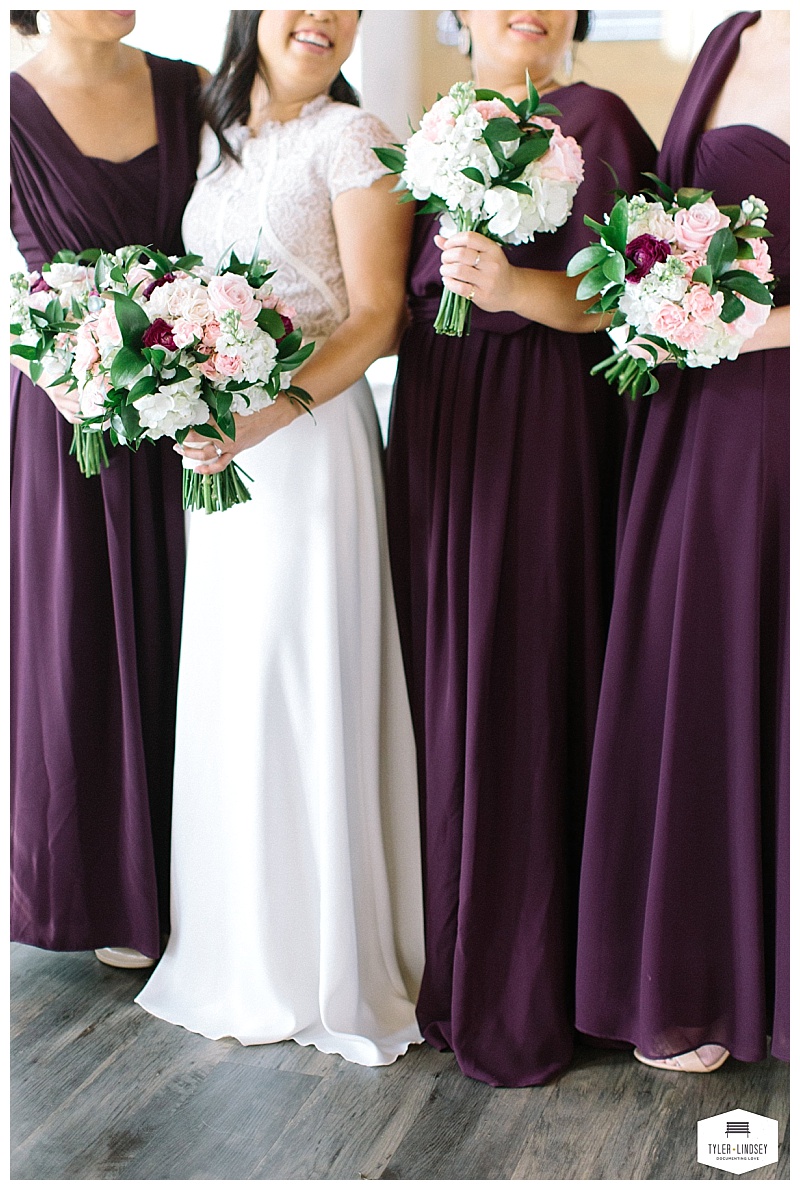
[(226, 99), (25, 21)]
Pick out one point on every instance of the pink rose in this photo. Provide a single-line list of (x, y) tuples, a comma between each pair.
[(491, 109), (690, 335), (185, 332), (228, 365), (438, 121), (563, 161), (754, 317), (86, 353), (668, 321), (232, 292), (702, 304), (208, 369), (107, 325), (694, 226), (211, 332), (39, 299), (761, 264)]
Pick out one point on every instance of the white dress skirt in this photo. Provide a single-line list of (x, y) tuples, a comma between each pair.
[(296, 876)]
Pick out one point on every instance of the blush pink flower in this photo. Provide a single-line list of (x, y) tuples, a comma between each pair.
[(702, 304), (86, 352), (754, 317), (694, 226), (693, 260), (211, 332), (668, 320), (232, 292), (491, 109), (208, 369), (228, 365), (690, 334), (563, 159), (761, 264), (438, 120), (39, 299), (185, 332), (107, 325)]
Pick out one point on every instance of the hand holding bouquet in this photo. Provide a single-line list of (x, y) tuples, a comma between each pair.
[(486, 164), (47, 310), (687, 280)]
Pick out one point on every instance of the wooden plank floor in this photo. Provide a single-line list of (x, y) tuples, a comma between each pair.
[(102, 1090)]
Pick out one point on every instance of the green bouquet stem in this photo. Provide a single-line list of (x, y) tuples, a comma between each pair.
[(89, 448), (455, 311), (215, 493)]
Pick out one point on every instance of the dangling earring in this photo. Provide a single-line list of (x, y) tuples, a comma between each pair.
[(464, 41), (569, 62), (43, 22)]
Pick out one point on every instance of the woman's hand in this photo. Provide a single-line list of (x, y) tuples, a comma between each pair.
[(63, 397), (475, 267), (250, 430)]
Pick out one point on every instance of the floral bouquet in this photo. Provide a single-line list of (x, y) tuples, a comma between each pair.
[(166, 346), (489, 165), (47, 309), (687, 280)]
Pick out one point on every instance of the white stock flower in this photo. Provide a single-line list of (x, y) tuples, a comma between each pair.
[(754, 210), (649, 218)]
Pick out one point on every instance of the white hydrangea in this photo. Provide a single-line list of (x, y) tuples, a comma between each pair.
[(171, 408)]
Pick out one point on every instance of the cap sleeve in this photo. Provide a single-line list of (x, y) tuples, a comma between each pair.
[(353, 165)]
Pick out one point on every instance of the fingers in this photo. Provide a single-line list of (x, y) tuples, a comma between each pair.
[(465, 239), (219, 463)]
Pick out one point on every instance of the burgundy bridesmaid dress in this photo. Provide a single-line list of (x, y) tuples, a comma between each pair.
[(96, 571), (500, 479), (684, 892)]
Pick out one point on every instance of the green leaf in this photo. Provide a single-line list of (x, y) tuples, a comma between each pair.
[(733, 212), (129, 416), (533, 94), (271, 322), (547, 109), (483, 94), (721, 250), (118, 275), (531, 149), (703, 276), (227, 424), (393, 159), (663, 189), (187, 262), (155, 356), (750, 232), (290, 362), (608, 300), (600, 228), (474, 175), (133, 321), (687, 196), (53, 311), (15, 328), (65, 256), (206, 431), (592, 283), (586, 259), (36, 370), (732, 307), (433, 206), (617, 234), (745, 251), (749, 286), (163, 262), (501, 128), (89, 255), (614, 268), (25, 351), (290, 344), (126, 367), (143, 388)]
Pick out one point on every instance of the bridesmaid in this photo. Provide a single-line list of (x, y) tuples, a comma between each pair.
[(104, 147), (499, 483), (684, 917)]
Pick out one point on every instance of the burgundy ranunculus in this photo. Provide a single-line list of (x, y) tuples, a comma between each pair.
[(288, 327), (645, 251), (148, 289), (40, 286), (159, 334)]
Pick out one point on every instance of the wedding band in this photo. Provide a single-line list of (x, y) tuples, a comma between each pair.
[(472, 295), (477, 260)]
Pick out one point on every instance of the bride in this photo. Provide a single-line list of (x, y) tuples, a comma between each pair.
[(296, 887)]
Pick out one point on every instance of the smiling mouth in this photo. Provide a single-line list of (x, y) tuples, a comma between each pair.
[(312, 37), (528, 27)]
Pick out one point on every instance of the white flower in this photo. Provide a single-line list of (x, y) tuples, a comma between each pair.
[(649, 218), (754, 210), (502, 207), (171, 408)]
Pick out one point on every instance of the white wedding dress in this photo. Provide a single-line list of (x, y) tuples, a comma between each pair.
[(296, 882)]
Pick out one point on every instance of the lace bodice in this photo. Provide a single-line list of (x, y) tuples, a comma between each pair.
[(283, 195)]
